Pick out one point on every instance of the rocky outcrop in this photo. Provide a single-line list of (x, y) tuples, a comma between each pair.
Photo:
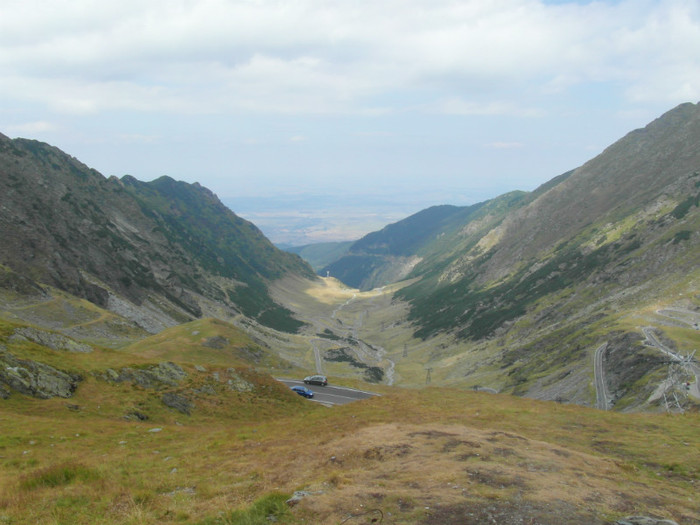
[(216, 342), (156, 252), (155, 377), (644, 520), (49, 339), (34, 379), (177, 402), (238, 383)]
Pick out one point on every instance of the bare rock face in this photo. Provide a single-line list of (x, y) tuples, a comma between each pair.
[(161, 250), (51, 340), (34, 379), (238, 383), (644, 520), (155, 377), (177, 402)]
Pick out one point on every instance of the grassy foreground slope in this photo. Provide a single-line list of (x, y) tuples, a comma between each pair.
[(115, 452)]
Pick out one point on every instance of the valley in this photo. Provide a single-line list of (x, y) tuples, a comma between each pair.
[(371, 329), (533, 355)]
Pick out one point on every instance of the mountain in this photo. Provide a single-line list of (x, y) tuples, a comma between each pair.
[(320, 254), (624, 219), (390, 254), (518, 292), (160, 253), (566, 293)]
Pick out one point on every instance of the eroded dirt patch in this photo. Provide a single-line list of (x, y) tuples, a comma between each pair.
[(451, 474)]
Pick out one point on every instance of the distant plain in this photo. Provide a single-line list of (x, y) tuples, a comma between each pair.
[(298, 219)]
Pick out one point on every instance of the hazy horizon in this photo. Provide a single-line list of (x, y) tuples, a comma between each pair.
[(302, 218)]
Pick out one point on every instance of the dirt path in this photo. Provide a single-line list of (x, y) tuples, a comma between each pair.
[(683, 315)]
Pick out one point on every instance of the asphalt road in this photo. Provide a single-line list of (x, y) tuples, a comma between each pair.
[(692, 366), (331, 395), (602, 396)]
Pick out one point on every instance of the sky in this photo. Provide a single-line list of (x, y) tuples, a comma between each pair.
[(363, 102)]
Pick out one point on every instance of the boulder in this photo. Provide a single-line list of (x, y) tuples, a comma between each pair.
[(34, 379), (177, 402), (237, 383), (158, 376), (51, 340), (643, 520)]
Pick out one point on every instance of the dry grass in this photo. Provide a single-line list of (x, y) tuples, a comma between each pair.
[(406, 453), (435, 455)]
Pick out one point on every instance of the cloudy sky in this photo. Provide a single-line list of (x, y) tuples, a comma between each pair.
[(423, 100)]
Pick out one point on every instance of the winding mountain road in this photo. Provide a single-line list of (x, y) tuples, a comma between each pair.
[(368, 352), (331, 395), (603, 400), (692, 366)]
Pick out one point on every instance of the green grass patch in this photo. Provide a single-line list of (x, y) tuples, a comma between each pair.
[(271, 508), (58, 476)]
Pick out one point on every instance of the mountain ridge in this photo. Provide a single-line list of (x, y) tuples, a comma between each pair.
[(162, 243), (513, 294), (519, 295)]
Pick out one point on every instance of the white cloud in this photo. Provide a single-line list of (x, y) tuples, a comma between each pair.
[(505, 145), (312, 56), (458, 106), (30, 128), (137, 138)]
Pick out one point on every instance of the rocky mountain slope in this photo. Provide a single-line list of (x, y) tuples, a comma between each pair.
[(158, 253), (516, 293), (389, 255), (624, 219)]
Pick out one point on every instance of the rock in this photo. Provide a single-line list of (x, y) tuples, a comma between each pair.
[(135, 415), (237, 383), (216, 342), (297, 497), (51, 340), (178, 402), (163, 374), (643, 520), (34, 379), (168, 373), (111, 375)]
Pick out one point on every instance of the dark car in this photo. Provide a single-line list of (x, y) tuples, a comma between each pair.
[(316, 380), (303, 391)]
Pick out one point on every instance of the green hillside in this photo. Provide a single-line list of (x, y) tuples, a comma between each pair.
[(517, 294), (320, 254), (187, 427), (608, 224), (434, 234), (165, 251)]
